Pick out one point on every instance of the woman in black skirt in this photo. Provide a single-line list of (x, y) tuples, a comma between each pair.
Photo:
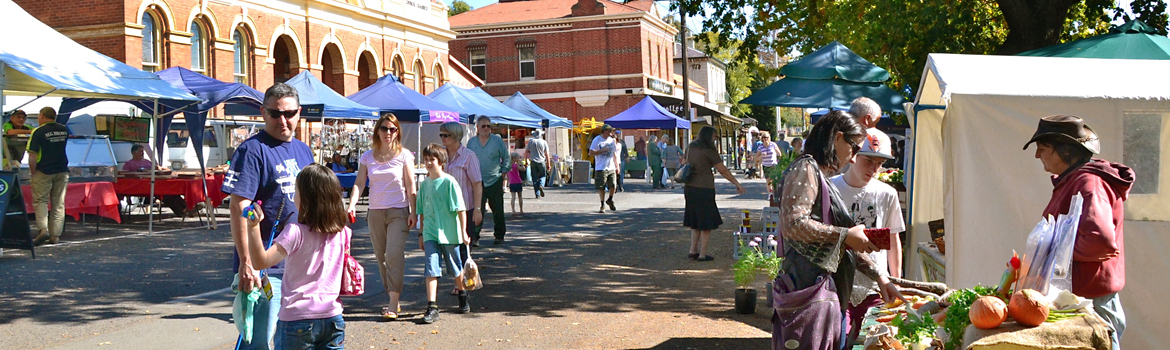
[(701, 214)]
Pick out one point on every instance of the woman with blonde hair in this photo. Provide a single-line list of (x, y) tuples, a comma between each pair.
[(390, 170)]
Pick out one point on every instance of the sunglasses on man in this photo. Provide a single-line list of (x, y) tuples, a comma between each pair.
[(276, 113)]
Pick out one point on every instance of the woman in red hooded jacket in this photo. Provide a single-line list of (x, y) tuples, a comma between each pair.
[(1065, 145)]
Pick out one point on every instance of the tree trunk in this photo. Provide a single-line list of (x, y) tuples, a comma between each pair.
[(1033, 24)]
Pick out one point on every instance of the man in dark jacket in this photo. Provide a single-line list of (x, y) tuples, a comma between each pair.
[(1065, 145)]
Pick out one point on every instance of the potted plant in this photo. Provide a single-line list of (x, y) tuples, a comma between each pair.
[(776, 175), (753, 260)]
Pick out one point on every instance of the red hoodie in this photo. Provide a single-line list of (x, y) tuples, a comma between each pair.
[(1105, 186)]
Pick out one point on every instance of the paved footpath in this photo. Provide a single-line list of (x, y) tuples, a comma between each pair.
[(566, 278)]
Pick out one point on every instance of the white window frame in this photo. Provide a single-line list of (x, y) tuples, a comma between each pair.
[(155, 36), (482, 64), (531, 61), (199, 47), (241, 57)]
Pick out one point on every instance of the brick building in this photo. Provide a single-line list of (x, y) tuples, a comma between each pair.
[(348, 44), (575, 58)]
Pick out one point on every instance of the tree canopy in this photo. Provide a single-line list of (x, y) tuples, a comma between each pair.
[(898, 35), (457, 7)]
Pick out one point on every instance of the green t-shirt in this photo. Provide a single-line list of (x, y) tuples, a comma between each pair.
[(439, 202), (9, 126)]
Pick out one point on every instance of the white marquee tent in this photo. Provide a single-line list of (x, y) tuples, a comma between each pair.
[(973, 116), (42, 62)]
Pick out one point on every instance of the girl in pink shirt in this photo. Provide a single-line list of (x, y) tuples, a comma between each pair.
[(310, 312), (516, 183)]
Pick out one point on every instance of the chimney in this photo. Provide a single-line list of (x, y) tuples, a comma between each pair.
[(588, 8)]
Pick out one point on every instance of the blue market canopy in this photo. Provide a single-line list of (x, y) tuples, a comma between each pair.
[(476, 102), (212, 92), (835, 61), (318, 100), (522, 104), (647, 114), (389, 95), (824, 93)]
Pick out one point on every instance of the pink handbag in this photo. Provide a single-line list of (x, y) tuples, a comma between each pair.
[(352, 274)]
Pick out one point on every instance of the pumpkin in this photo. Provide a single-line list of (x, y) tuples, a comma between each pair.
[(988, 312), (1028, 308)]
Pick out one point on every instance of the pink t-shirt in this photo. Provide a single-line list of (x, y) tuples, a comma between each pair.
[(514, 175), (136, 165), (312, 273), (386, 186)]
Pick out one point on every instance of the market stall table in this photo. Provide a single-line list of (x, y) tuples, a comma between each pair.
[(190, 188), (84, 198)]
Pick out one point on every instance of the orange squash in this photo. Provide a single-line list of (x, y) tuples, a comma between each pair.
[(1028, 308), (988, 312)]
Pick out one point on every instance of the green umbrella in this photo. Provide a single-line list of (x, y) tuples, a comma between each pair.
[(824, 93), (1133, 40), (835, 61)]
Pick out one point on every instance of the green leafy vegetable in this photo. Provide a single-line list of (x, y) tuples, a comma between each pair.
[(912, 330), (958, 316)]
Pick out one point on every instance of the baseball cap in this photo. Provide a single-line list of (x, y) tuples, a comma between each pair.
[(605, 127), (876, 144)]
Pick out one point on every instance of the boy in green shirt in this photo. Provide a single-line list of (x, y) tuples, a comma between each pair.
[(441, 211)]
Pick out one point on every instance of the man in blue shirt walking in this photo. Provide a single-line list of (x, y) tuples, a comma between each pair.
[(264, 168)]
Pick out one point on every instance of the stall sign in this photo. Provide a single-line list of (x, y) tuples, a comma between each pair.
[(14, 230), (131, 129), (660, 86), (443, 116)]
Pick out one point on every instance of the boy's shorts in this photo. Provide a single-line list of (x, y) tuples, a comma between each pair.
[(516, 188), (603, 179), (449, 253)]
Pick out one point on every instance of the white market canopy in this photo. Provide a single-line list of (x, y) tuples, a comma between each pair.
[(974, 114), (39, 60)]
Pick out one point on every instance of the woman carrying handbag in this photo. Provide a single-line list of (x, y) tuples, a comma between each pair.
[(817, 273)]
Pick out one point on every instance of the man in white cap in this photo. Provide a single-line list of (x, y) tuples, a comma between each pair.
[(874, 204)]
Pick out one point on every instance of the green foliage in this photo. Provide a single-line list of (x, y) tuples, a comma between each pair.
[(1153, 12), (898, 35), (912, 330), (457, 7), (739, 71), (752, 262), (958, 316), (776, 175)]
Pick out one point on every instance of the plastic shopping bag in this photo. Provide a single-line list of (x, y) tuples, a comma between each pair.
[(243, 309), (469, 279)]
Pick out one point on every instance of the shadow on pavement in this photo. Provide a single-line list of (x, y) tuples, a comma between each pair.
[(713, 343)]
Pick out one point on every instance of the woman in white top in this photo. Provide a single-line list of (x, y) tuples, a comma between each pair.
[(390, 169)]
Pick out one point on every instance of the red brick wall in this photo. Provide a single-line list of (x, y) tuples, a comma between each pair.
[(70, 17), (592, 48)]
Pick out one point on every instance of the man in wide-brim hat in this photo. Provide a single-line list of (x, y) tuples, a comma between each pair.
[(1065, 145)]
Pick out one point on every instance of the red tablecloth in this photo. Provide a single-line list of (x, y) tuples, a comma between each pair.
[(84, 198), (190, 189)]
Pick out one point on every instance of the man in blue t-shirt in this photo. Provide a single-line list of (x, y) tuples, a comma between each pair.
[(264, 168)]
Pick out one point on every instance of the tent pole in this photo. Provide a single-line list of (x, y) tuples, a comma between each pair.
[(3, 143), (153, 165)]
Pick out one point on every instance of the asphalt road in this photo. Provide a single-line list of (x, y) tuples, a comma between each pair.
[(567, 278)]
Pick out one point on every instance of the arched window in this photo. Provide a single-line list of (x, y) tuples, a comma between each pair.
[(419, 78), (242, 56), (399, 69), (198, 47), (151, 38), (438, 75)]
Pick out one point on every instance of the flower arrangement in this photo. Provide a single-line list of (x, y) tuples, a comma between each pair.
[(894, 177), (753, 260)]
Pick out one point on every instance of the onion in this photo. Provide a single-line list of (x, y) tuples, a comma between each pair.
[(988, 312), (1028, 308)]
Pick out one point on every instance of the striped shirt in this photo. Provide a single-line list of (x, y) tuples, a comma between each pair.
[(464, 167), (769, 153)]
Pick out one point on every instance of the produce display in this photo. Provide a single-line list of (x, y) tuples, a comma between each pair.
[(937, 317)]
